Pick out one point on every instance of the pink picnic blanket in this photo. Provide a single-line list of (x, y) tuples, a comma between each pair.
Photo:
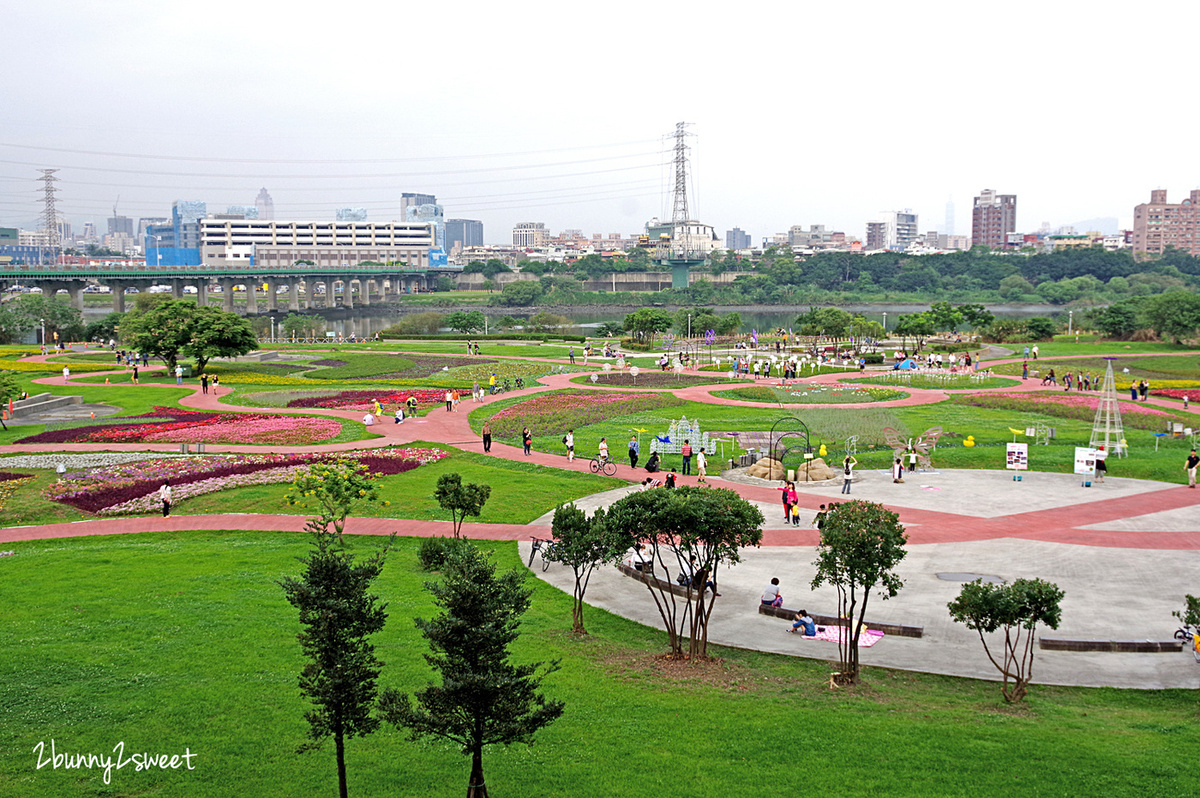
[(833, 634)]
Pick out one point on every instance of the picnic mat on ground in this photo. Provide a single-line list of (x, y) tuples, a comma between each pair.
[(833, 634)]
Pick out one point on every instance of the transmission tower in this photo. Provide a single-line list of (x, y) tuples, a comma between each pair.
[(680, 213), (49, 214), (1107, 431)]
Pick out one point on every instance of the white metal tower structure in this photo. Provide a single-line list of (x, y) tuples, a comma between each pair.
[(679, 214), (1107, 430), (49, 213)]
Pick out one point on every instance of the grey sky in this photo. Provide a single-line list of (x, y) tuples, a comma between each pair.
[(804, 113)]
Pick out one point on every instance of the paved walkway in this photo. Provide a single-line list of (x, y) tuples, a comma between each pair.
[(1103, 545)]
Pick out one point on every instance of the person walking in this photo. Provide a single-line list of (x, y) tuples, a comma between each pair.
[(819, 518), (527, 440), (164, 496), (569, 442), (449, 401), (686, 452), (788, 491), (571, 355), (135, 375), (487, 437), (203, 383), (702, 467), (179, 375), (66, 374), (1025, 370), (848, 472), (1190, 467), (633, 451)]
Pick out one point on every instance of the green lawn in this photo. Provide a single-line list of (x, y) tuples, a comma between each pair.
[(1157, 367), (174, 641), (948, 382), (521, 491), (1064, 345)]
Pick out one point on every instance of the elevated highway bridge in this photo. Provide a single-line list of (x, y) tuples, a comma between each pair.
[(297, 286)]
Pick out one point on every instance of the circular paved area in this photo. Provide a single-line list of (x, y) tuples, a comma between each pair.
[(1125, 552)]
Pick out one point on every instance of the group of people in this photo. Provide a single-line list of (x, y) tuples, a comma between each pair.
[(802, 621), (1139, 390)]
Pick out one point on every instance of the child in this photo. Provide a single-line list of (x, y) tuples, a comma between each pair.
[(795, 515), (803, 619)]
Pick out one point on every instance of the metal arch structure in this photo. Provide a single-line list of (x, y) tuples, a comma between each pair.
[(786, 434)]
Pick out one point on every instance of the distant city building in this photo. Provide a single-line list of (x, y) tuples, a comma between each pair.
[(265, 205), (993, 217), (877, 235), (89, 233), (351, 214), (242, 211), (411, 200), (530, 234), (815, 237), (1158, 224), (143, 224), (270, 243), (121, 224), (737, 238), (430, 214), (462, 233)]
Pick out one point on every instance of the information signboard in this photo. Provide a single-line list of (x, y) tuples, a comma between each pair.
[(1018, 457)]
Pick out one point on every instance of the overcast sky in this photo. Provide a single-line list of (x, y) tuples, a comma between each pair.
[(802, 112)]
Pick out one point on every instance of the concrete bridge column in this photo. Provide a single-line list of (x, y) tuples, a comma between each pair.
[(272, 296), (202, 293), (75, 291), (309, 285), (252, 297), (118, 295), (226, 284), (294, 295), (347, 292), (176, 288), (364, 291)]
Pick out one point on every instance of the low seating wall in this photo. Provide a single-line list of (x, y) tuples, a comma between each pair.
[(832, 620)]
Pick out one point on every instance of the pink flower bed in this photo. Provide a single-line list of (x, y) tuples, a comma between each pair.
[(173, 425), (1065, 405)]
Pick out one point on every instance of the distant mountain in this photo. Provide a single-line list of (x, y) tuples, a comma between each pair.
[(1109, 225)]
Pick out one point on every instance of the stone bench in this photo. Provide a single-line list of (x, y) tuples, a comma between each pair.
[(648, 577), (1110, 646), (896, 629)]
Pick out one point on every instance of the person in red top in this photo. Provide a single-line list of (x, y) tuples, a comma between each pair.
[(686, 451)]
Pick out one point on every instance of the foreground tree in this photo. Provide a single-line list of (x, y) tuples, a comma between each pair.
[(466, 321), (338, 614), (461, 500), (334, 487), (1017, 608), (483, 699), (645, 322), (215, 333), (688, 530), (861, 545), (178, 326), (583, 544)]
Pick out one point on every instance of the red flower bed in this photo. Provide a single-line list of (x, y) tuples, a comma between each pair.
[(384, 397)]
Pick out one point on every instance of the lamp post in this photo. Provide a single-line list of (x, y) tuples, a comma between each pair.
[(272, 329), (1070, 320), (43, 333), (885, 322), (689, 325)]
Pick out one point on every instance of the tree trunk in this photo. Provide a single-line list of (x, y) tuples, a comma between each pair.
[(577, 617), (341, 763), (476, 788)]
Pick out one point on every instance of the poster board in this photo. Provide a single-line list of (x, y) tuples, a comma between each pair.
[(1085, 460), (1018, 457)]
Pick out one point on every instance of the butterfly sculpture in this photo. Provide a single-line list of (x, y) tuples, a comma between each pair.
[(923, 445)]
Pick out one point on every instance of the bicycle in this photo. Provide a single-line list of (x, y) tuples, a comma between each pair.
[(605, 464), (543, 545), (1190, 636)]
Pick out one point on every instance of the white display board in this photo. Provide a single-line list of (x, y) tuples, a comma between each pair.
[(1018, 457), (1085, 460)]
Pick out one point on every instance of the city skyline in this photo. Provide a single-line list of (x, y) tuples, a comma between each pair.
[(207, 107)]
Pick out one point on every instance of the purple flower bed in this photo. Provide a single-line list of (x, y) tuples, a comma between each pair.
[(332, 363), (8, 476)]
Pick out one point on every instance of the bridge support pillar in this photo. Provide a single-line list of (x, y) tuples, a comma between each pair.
[(272, 296), (347, 292), (75, 291), (252, 296), (309, 287), (364, 291), (226, 284), (202, 293), (294, 295), (118, 295)]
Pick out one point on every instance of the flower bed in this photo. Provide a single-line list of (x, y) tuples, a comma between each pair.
[(132, 487), (9, 484), (170, 425), (805, 393), (387, 397), (555, 413), (1063, 405)]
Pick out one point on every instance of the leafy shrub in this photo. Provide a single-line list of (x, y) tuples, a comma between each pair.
[(434, 552)]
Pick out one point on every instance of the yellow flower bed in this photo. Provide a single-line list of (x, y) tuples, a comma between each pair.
[(51, 368), (257, 378)]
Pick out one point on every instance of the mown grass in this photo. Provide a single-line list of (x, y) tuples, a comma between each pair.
[(167, 641), (1156, 367), (1064, 345), (521, 492)]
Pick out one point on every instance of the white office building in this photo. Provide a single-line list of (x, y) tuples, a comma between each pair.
[(270, 243)]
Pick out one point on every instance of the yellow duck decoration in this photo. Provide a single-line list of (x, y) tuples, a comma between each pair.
[(969, 442), (822, 451)]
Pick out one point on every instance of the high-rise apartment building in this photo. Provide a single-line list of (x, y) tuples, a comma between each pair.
[(121, 225), (1158, 224), (463, 233), (530, 234), (265, 205), (993, 218), (894, 230), (737, 238), (877, 235)]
